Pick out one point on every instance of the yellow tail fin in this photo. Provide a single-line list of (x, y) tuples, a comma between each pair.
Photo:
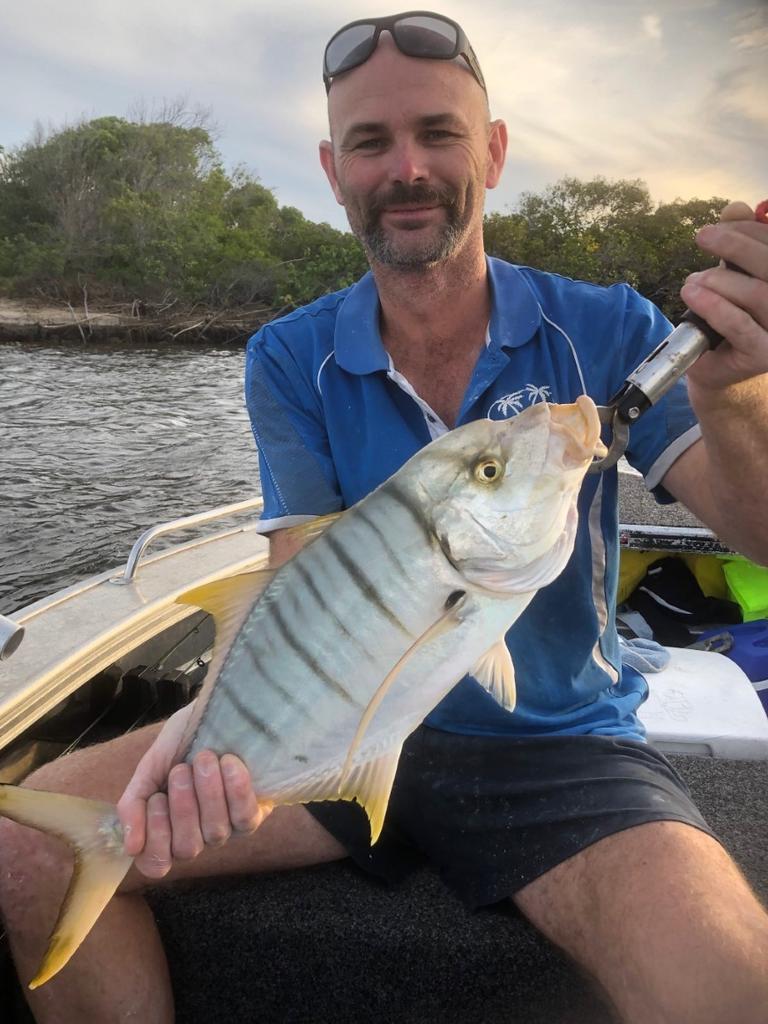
[(92, 829)]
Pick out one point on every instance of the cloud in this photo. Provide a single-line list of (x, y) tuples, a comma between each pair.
[(587, 89), (652, 26)]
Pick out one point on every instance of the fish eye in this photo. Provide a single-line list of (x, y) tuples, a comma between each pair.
[(488, 470)]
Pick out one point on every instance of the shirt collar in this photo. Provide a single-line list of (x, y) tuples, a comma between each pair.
[(515, 318)]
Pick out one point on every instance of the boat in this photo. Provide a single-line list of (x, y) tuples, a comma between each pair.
[(329, 944)]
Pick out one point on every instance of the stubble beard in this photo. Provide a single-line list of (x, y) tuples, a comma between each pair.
[(395, 249)]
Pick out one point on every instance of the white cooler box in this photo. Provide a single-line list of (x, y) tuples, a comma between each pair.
[(702, 703)]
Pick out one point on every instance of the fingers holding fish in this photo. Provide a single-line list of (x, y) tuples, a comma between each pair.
[(214, 824), (245, 812), (154, 861), (150, 777)]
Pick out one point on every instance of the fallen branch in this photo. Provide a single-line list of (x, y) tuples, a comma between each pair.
[(77, 322)]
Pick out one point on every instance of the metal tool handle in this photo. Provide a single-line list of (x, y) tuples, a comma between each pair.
[(654, 377), (670, 359)]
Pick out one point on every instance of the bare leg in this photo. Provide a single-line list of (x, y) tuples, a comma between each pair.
[(120, 972), (662, 917)]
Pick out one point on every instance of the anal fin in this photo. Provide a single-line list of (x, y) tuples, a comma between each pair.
[(371, 784)]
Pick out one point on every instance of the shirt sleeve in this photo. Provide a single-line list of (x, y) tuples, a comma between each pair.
[(298, 477), (670, 426)]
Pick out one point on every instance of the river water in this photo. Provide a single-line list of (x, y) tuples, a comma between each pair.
[(99, 442)]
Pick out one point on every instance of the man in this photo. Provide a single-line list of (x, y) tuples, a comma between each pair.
[(623, 873)]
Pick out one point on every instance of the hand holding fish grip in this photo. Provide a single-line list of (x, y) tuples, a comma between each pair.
[(734, 211), (680, 350), (651, 380)]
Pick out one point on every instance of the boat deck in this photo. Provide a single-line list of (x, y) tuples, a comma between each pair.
[(328, 945)]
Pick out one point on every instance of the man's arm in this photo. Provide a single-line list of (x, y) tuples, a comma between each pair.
[(737, 514), (283, 544), (723, 478)]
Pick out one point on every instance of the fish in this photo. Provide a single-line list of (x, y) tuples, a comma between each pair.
[(322, 668)]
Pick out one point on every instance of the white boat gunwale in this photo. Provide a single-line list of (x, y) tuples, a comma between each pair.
[(82, 629)]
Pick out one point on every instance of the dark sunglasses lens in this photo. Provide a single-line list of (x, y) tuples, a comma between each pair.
[(349, 48), (422, 36)]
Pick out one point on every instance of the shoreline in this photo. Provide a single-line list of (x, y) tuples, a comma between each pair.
[(38, 320)]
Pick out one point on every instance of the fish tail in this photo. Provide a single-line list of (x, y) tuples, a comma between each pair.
[(92, 829)]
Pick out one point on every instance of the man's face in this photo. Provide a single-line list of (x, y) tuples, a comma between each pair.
[(411, 156)]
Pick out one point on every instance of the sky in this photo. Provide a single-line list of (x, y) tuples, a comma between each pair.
[(673, 92)]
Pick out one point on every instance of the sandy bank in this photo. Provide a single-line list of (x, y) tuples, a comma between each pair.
[(29, 320)]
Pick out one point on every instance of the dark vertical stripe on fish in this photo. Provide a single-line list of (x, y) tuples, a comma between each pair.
[(392, 554), (301, 652), (208, 734), (268, 681), (361, 581), (308, 580), (249, 715), (405, 500)]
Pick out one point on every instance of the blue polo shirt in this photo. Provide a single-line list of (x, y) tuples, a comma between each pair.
[(333, 418)]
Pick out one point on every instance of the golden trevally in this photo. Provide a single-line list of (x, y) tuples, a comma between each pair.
[(324, 667)]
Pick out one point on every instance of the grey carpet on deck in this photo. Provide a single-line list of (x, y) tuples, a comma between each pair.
[(329, 946)]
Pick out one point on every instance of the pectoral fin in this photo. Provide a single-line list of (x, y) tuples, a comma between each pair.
[(91, 828), (496, 673)]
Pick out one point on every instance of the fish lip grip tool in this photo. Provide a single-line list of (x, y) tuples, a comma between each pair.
[(658, 372)]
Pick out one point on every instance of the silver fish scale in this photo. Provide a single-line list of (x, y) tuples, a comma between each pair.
[(322, 637)]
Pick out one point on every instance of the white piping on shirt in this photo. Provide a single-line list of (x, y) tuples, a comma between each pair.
[(322, 367), (597, 544), (572, 347)]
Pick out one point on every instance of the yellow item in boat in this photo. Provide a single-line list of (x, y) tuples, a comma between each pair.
[(748, 584)]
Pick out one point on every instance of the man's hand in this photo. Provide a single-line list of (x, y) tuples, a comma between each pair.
[(734, 304), (174, 813)]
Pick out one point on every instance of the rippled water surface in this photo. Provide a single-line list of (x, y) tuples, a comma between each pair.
[(99, 442)]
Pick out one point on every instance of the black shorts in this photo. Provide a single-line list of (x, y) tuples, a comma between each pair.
[(493, 813)]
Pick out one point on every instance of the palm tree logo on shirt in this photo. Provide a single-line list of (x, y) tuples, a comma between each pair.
[(510, 405)]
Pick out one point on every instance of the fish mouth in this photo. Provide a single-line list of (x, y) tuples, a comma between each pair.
[(579, 426)]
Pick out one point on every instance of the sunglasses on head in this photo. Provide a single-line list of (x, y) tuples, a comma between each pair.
[(416, 34)]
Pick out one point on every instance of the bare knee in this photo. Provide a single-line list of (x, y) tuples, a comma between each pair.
[(662, 917), (99, 772), (34, 868), (27, 852)]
